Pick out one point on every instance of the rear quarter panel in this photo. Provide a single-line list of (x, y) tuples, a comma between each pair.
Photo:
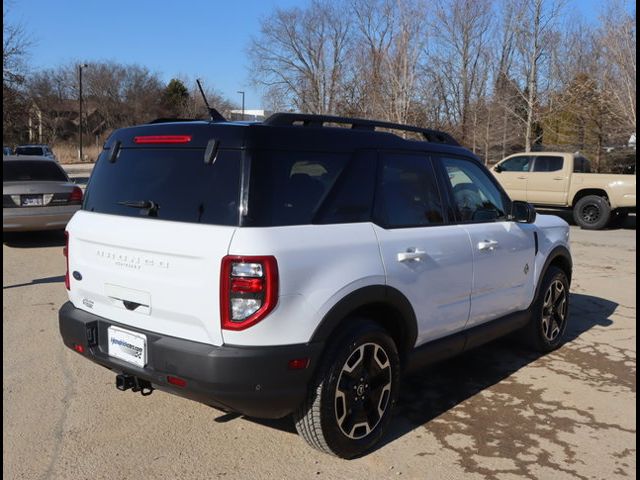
[(317, 266), (621, 189)]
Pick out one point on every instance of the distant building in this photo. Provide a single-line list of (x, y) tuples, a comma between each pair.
[(61, 119), (249, 115), (632, 141)]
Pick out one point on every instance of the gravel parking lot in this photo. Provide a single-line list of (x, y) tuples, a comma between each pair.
[(498, 412)]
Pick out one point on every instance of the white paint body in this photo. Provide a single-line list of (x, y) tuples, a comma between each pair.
[(172, 270)]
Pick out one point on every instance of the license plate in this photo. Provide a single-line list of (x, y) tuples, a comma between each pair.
[(128, 346), (31, 200)]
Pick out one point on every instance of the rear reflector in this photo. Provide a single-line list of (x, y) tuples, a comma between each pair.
[(78, 348), (65, 252), (298, 364), (162, 139), (178, 382)]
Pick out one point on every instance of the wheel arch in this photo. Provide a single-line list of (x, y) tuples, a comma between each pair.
[(559, 257), (381, 303), (600, 192)]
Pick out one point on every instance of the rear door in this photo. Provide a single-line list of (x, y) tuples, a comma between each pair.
[(426, 259), (146, 249), (503, 251), (548, 182)]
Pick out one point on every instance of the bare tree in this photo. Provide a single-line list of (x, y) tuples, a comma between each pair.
[(617, 39), (462, 33), (300, 55), (15, 47), (535, 37)]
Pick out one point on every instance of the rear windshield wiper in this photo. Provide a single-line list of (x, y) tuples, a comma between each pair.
[(150, 206)]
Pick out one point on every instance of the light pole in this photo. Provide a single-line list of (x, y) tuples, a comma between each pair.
[(240, 91), (80, 67)]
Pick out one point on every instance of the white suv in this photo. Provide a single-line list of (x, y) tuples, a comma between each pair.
[(296, 267)]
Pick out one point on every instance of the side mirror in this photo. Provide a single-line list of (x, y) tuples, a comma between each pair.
[(522, 212), (498, 168)]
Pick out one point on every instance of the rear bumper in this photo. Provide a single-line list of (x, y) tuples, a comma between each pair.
[(23, 220), (254, 381)]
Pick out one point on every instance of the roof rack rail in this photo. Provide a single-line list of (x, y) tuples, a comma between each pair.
[(308, 120)]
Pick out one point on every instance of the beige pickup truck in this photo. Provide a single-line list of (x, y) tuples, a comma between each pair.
[(563, 180)]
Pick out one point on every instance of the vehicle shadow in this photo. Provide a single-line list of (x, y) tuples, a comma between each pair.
[(53, 238), (435, 390), (37, 281), (628, 223)]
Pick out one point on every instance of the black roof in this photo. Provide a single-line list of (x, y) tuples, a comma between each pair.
[(287, 131)]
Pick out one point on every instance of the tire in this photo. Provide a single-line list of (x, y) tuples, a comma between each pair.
[(592, 212), (550, 312), (332, 418)]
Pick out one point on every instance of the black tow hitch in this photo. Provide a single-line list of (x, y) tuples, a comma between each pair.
[(126, 382)]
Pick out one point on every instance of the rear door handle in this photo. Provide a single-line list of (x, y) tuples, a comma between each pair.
[(411, 254), (488, 245), (558, 178), (522, 178)]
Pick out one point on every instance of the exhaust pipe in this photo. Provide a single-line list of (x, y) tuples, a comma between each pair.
[(125, 382)]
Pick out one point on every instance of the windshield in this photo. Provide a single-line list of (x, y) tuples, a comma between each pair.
[(20, 171)]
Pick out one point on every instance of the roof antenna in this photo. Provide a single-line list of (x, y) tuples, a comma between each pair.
[(214, 114)]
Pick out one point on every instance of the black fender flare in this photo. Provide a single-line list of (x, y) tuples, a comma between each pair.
[(372, 295), (559, 251)]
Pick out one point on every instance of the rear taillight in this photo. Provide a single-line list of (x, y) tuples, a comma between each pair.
[(248, 290), (65, 251), (76, 195)]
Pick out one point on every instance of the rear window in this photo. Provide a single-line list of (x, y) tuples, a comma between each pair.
[(288, 188), (30, 151), (19, 171), (547, 164), (178, 182)]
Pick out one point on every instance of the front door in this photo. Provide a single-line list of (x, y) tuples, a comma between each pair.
[(503, 251), (513, 175)]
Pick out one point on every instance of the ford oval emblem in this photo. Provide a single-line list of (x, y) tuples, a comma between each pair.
[(77, 275)]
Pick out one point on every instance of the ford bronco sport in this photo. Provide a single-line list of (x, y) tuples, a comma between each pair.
[(296, 267)]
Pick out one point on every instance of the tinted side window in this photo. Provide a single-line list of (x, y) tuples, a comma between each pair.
[(351, 199), (177, 180), (516, 164), (547, 164), (407, 194), (15, 171), (476, 197), (581, 165), (288, 188)]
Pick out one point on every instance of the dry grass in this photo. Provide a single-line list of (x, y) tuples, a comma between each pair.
[(68, 153)]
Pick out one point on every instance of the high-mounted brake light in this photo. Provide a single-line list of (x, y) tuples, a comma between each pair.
[(248, 290), (162, 139), (65, 252)]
